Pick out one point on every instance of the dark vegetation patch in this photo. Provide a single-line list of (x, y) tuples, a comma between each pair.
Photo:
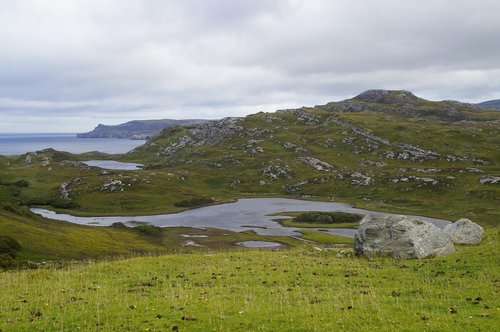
[(194, 202), (9, 249), (55, 202), (328, 217)]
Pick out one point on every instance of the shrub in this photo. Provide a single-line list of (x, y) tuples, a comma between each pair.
[(328, 217), (149, 230), (9, 246), (6, 261), (118, 224), (22, 184)]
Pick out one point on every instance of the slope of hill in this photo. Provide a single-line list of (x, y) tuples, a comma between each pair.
[(495, 104), (138, 129), (382, 150)]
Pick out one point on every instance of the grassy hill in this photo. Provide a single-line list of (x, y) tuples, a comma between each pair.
[(382, 150)]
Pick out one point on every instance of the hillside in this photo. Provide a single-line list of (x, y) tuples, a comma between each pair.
[(382, 150), (138, 129), (490, 104)]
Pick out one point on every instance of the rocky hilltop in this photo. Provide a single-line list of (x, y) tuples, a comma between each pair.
[(137, 129), (381, 143)]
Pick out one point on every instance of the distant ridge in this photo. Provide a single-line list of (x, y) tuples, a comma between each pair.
[(495, 103), (137, 129)]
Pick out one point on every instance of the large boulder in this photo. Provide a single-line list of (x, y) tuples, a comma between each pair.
[(400, 237), (464, 231)]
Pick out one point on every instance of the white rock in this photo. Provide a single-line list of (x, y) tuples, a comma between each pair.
[(400, 237), (464, 231)]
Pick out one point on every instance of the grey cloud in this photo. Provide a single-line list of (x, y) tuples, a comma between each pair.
[(119, 60)]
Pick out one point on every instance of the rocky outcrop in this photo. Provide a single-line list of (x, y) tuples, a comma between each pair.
[(464, 231), (317, 164), (489, 180), (400, 237), (213, 132)]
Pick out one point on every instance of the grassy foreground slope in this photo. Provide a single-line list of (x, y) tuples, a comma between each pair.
[(300, 289)]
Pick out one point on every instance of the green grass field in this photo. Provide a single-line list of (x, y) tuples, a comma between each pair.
[(299, 289)]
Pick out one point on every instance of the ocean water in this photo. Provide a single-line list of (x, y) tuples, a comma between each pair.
[(16, 144)]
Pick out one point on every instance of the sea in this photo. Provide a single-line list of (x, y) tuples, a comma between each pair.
[(17, 144)]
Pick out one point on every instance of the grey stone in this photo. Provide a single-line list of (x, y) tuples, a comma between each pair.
[(464, 231), (400, 237)]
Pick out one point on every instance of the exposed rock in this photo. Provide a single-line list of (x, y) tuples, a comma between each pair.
[(474, 170), (294, 188), (213, 132), (251, 147), (464, 231), (400, 237), (307, 118), (489, 180), (276, 169), (112, 185), (365, 163), (345, 253), (271, 118), (182, 143), (361, 179), (319, 165), (63, 189), (298, 148), (481, 161), (413, 178), (267, 133)]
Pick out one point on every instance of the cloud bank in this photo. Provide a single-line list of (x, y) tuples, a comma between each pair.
[(67, 65)]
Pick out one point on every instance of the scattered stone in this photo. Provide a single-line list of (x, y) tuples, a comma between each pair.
[(319, 165), (191, 244), (361, 179), (489, 180), (345, 253), (464, 231), (474, 170), (112, 185), (413, 178), (400, 237), (276, 169), (183, 142)]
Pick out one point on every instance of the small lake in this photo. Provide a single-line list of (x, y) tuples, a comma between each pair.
[(255, 214), (111, 164)]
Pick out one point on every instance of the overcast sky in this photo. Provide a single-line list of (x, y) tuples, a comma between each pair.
[(67, 65)]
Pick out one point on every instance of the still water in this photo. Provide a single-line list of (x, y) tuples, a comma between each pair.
[(245, 214)]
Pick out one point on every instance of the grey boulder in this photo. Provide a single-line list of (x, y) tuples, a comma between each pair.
[(464, 231), (400, 237)]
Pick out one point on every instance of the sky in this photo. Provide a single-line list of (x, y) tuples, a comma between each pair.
[(68, 65)]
